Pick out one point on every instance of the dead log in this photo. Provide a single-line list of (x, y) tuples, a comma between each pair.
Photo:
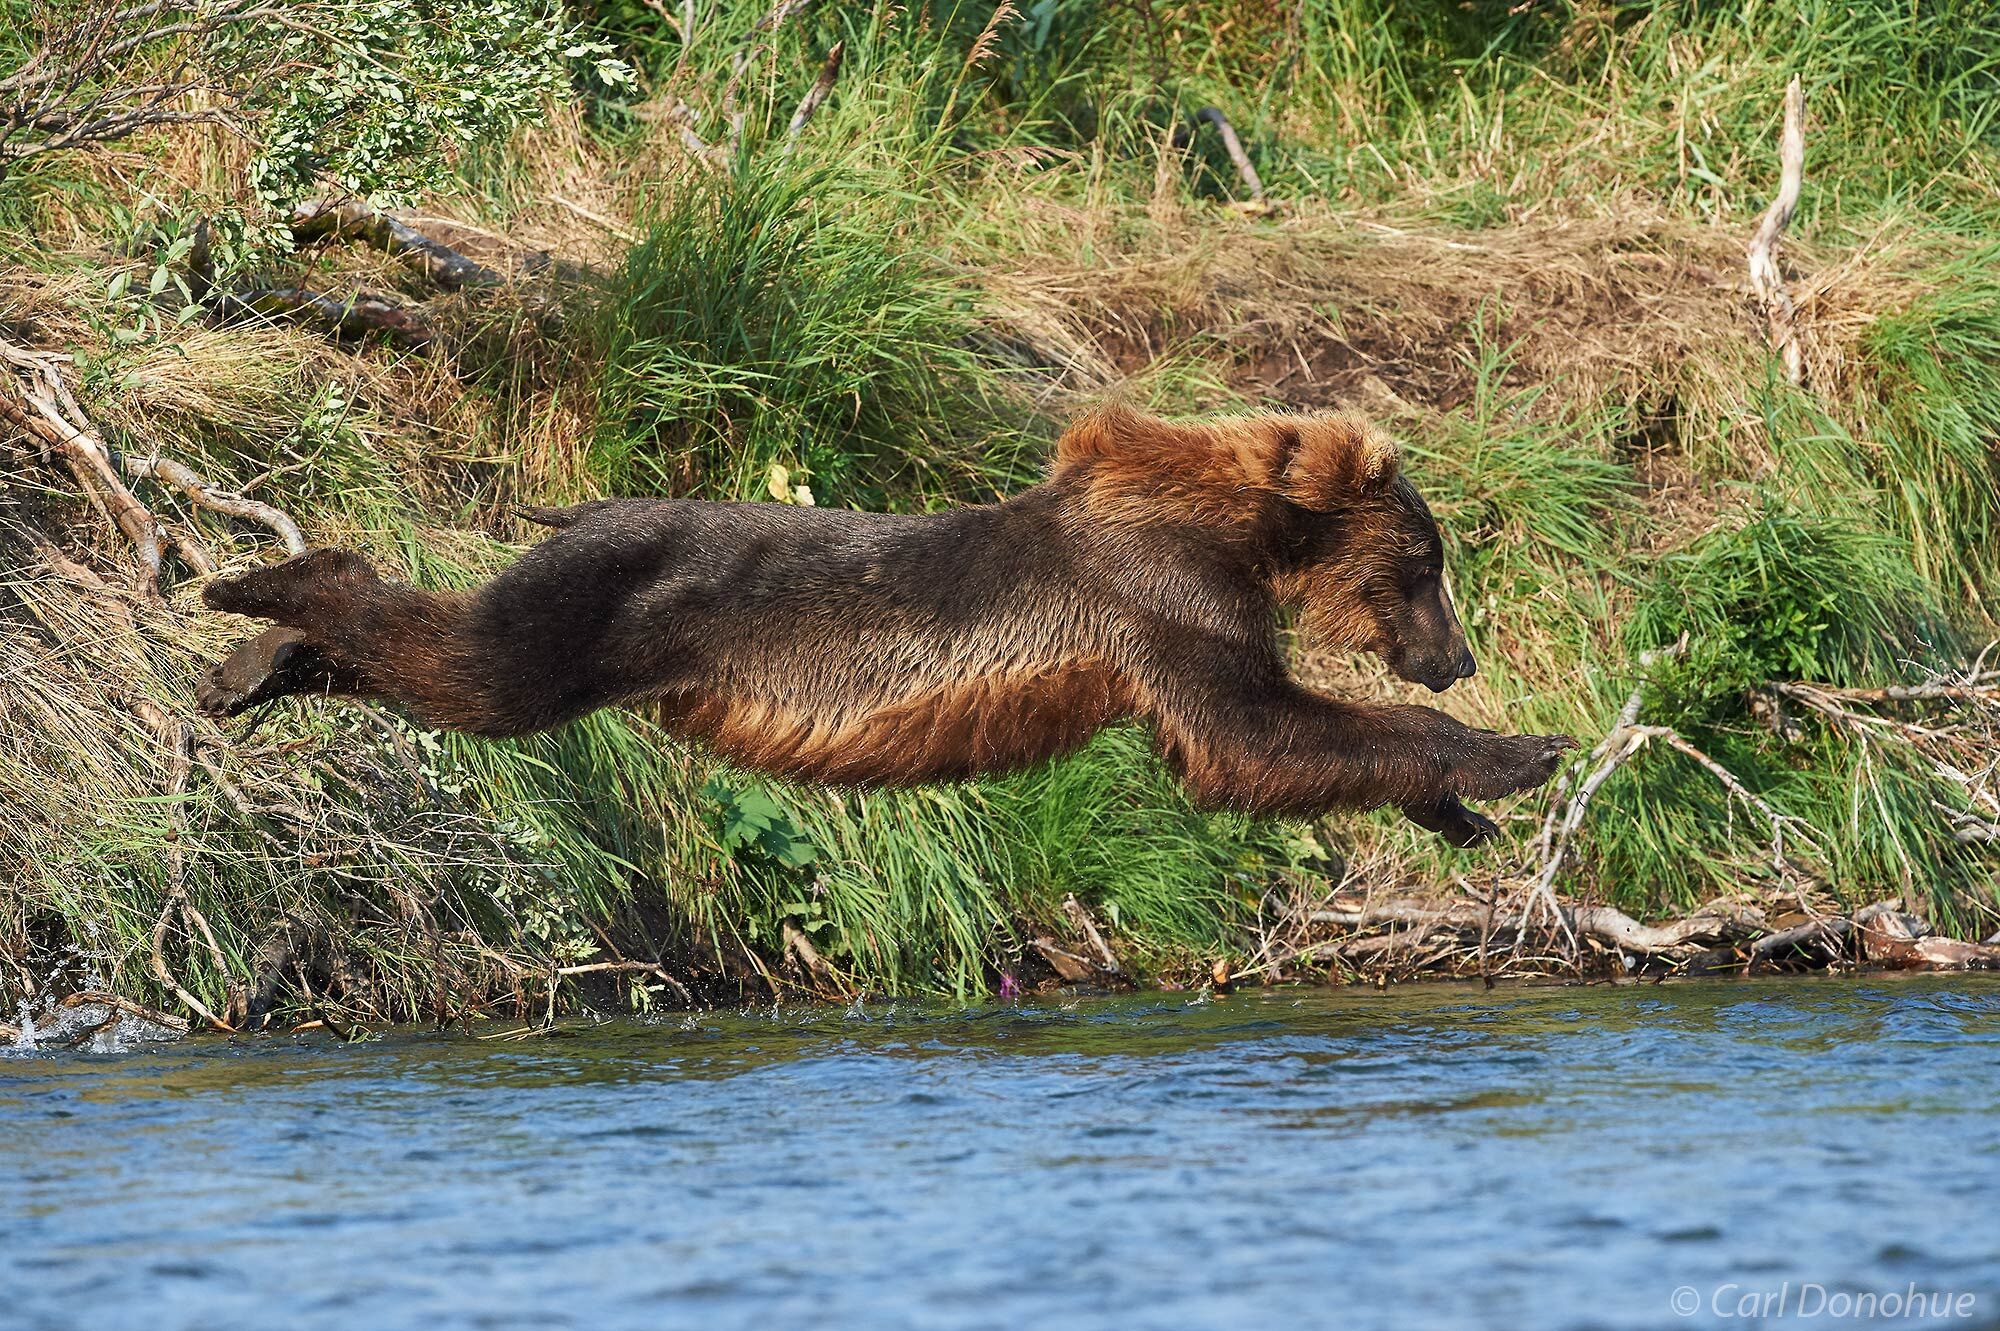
[(1890, 938), (353, 220), (1708, 928)]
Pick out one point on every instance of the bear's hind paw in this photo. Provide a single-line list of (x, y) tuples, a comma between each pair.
[(268, 666)]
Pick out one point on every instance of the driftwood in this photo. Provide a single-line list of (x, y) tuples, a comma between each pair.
[(1765, 277), (227, 502)]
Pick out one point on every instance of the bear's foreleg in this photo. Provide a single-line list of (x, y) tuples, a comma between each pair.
[(1244, 736)]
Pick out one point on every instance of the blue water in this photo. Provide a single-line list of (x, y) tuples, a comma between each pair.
[(1425, 1157)]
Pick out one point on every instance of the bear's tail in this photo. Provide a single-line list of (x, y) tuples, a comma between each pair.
[(551, 517)]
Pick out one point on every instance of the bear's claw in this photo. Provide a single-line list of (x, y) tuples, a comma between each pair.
[(1458, 825)]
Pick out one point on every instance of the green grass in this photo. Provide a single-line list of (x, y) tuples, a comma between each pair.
[(762, 321)]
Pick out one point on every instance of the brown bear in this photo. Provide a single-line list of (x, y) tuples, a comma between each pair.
[(1141, 579)]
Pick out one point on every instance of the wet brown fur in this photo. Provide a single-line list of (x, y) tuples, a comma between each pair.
[(1141, 578)]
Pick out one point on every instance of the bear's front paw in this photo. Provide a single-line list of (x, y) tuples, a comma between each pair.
[(1503, 764), (1460, 826)]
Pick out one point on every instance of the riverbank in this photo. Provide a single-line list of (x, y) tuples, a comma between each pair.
[(1751, 565)]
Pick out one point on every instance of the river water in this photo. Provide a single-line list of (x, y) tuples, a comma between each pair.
[(1425, 1157)]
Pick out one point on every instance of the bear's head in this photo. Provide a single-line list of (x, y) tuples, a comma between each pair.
[(1359, 556), (1318, 502)]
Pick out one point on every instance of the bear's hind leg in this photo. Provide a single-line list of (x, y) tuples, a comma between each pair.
[(306, 591), (274, 664)]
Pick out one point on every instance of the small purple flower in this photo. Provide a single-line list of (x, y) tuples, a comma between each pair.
[(1009, 986)]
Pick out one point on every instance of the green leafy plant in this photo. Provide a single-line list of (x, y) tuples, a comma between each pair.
[(755, 825)]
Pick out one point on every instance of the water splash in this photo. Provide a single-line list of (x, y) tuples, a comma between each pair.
[(92, 1028)]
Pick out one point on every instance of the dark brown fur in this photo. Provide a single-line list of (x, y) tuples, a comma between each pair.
[(1141, 579)]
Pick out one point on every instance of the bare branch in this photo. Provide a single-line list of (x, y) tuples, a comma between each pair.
[(1765, 277), (1234, 147), (821, 89)]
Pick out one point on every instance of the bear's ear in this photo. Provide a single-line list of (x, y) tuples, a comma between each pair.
[(1334, 460)]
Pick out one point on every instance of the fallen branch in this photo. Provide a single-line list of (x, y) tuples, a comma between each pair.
[(227, 502), (808, 956), (175, 896), (103, 998), (1891, 938), (1072, 968), (1607, 924), (1765, 277), (1080, 918), (352, 319), (1562, 821), (628, 967), (1705, 928), (1827, 936)]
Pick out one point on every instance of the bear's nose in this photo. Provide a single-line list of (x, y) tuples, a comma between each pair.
[(1467, 667)]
